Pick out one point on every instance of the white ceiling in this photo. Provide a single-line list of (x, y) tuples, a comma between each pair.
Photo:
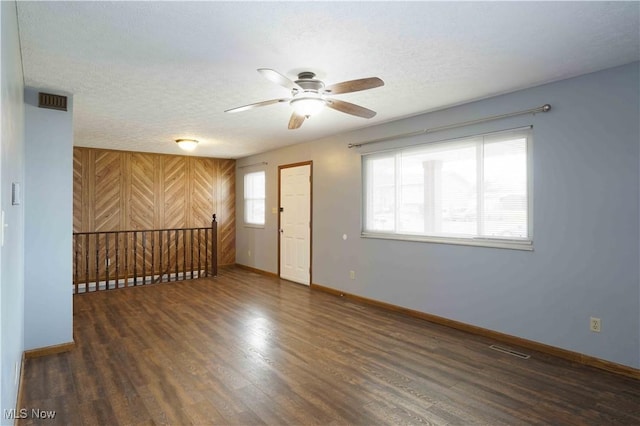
[(146, 73)]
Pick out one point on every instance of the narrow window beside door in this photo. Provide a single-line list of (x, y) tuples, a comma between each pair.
[(254, 198)]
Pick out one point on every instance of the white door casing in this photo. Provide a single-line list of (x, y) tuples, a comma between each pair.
[(295, 223)]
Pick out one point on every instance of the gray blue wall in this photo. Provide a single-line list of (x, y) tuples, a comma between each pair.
[(11, 170), (48, 319), (586, 222)]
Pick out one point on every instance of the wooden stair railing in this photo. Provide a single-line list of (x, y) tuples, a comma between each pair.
[(117, 259)]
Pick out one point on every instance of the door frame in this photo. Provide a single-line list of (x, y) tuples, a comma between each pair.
[(288, 166)]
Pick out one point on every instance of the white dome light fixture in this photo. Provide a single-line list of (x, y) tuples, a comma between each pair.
[(307, 103), (187, 144)]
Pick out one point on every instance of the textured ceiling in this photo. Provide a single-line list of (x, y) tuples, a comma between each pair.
[(146, 73)]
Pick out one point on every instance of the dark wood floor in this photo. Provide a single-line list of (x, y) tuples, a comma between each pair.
[(248, 349)]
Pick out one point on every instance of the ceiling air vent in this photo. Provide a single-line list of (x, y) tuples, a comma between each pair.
[(47, 100)]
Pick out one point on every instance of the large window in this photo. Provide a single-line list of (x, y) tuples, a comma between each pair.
[(254, 198), (469, 191)]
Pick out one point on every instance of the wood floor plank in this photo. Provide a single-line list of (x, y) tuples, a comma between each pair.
[(249, 349)]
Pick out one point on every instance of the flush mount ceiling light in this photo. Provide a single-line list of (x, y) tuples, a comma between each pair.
[(187, 144)]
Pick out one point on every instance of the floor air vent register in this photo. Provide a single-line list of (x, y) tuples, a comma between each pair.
[(509, 351)]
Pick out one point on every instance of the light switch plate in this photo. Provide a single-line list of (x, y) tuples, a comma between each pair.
[(15, 194), (2, 226)]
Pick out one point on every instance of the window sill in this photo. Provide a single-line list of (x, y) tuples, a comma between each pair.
[(525, 245), (253, 225)]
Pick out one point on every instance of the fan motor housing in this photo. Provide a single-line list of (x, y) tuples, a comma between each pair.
[(307, 81)]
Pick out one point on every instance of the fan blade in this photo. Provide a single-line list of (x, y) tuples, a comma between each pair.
[(354, 85), (258, 104), (278, 78), (349, 108), (296, 121)]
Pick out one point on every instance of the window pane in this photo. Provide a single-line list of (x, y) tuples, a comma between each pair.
[(505, 189), (466, 188), (254, 211), (458, 192), (381, 194), (254, 198), (411, 201)]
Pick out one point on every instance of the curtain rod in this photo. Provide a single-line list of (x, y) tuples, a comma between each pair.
[(543, 108), (254, 164)]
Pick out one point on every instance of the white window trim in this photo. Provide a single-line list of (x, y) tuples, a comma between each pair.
[(253, 225), (526, 245), (500, 243)]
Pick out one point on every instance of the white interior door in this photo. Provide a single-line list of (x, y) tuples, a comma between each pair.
[(295, 223)]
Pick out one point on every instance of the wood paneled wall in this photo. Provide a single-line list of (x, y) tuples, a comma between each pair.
[(119, 190)]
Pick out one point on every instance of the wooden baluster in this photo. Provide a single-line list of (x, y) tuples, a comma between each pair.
[(199, 254), (206, 252), (169, 255), (184, 254), (117, 260), (153, 255), (177, 250), (214, 246), (97, 262), (86, 263), (135, 258), (144, 257), (191, 251), (126, 259), (106, 261), (161, 235)]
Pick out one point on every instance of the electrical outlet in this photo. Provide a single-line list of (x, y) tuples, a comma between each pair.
[(108, 262), (352, 275), (249, 253), (595, 325)]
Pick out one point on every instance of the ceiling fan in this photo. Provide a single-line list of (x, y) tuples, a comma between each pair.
[(309, 96)]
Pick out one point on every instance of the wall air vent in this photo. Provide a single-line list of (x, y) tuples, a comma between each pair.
[(47, 100)]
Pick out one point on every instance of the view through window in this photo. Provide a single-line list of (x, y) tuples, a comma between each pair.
[(467, 188), (254, 198)]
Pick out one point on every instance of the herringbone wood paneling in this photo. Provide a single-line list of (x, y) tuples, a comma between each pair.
[(202, 179), (142, 199), (226, 208), (77, 190), (116, 190), (106, 202), (107, 191), (175, 192)]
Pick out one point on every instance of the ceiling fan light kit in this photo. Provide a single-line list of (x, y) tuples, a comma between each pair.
[(187, 144), (309, 96), (307, 104)]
